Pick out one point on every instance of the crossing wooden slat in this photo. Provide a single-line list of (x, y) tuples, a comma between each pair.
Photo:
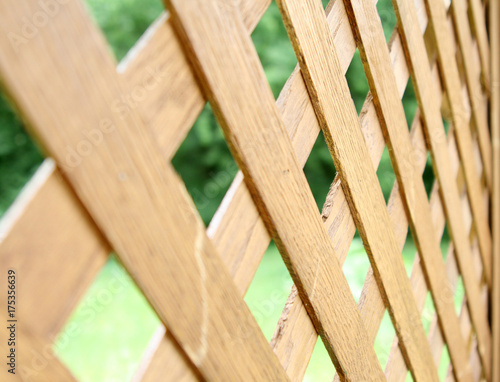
[(378, 68), (435, 134), (240, 217), (459, 116), (161, 73), (39, 233), (230, 71), (477, 99), (135, 198), (396, 369), (334, 108), (494, 12), (295, 348), (219, 228), (479, 27)]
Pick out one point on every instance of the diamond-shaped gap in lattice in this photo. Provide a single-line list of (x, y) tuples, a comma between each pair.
[(205, 164), (269, 290), (385, 174), (320, 367), (108, 333), (409, 103), (19, 155), (428, 175), (409, 251), (384, 339), (356, 266), (124, 22), (387, 17), (320, 172), (356, 79), (444, 364), (276, 54)]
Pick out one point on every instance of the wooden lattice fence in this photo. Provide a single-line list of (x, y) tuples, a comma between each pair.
[(110, 185)]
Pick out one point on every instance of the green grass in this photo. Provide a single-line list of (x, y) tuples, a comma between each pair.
[(105, 338)]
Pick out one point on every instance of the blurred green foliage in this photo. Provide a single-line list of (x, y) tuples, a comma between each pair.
[(203, 160)]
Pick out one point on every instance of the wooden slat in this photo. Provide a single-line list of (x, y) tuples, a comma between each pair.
[(157, 60), (433, 124), (329, 91), (477, 99), (494, 25), (396, 369), (293, 348), (459, 116), (135, 198), (233, 78), (39, 234), (479, 28), (239, 215), (378, 68)]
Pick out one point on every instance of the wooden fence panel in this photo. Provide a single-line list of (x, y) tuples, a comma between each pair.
[(123, 190)]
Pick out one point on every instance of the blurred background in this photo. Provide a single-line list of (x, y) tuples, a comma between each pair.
[(115, 333)]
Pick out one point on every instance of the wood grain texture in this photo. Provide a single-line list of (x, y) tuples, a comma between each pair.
[(477, 98), (137, 200), (478, 18), (329, 91), (158, 63), (460, 118), (233, 78), (435, 135), (494, 13), (378, 67), (294, 346), (39, 234)]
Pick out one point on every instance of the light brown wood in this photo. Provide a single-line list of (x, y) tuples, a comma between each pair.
[(233, 78), (39, 234), (494, 13), (378, 68), (459, 116), (435, 135), (301, 124), (338, 119), (477, 99), (157, 61), (137, 200), (293, 347), (479, 27)]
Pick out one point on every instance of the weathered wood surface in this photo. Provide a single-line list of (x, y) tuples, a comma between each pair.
[(378, 67), (243, 256), (230, 72), (335, 111), (435, 133), (136, 199)]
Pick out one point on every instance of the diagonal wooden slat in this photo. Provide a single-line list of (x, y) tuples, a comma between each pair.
[(396, 369), (294, 348), (338, 119), (459, 116), (233, 78), (495, 197), (433, 124), (137, 200), (376, 60), (163, 73), (479, 27), (240, 217), (477, 99), (241, 275)]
